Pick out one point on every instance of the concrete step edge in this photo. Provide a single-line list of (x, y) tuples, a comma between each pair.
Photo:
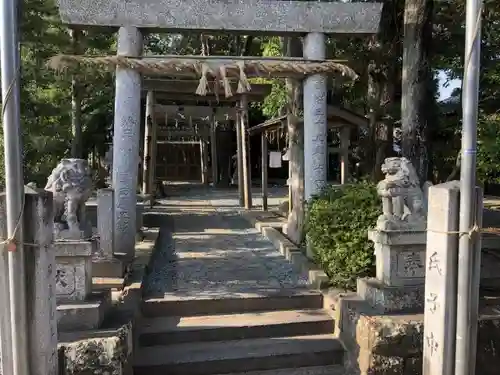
[(309, 370), (239, 320), (303, 299), (175, 330), (219, 351)]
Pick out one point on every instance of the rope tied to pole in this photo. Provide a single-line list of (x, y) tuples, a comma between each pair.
[(475, 229)]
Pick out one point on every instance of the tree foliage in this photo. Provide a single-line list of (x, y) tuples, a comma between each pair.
[(46, 104), (337, 224)]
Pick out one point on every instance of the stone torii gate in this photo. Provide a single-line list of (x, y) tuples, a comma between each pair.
[(134, 17)]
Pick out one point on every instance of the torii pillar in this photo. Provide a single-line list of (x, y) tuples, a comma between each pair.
[(315, 120), (126, 140)]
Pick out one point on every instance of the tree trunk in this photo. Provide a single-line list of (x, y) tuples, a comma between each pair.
[(383, 76), (76, 103), (415, 101), (295, 225)]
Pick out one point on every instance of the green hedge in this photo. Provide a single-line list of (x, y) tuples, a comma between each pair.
[(337, 224)]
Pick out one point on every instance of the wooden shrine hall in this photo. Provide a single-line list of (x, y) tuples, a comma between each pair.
[(340, 121), (188, 137)]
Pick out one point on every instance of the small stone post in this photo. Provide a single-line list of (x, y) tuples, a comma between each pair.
[(315, 122), (105, 222), (126, 142), (41, 283)]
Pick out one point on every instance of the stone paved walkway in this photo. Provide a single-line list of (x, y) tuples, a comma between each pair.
[(207, 250)]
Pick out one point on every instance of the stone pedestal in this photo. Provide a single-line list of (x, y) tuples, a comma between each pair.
[(78, 307), (400, 263), (73, 270)]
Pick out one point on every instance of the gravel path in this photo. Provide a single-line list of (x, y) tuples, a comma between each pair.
[(207, 250)]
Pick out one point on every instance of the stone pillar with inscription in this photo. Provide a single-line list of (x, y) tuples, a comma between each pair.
[(40, 283), (126, 143), (440, 281), (440, 314), (315, 124), (400, 242)]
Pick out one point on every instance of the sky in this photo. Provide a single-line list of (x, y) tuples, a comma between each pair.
[(445, 92)]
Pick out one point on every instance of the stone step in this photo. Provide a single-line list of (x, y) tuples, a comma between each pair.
[(176, 330), (310, 370), (178, 305), (221, 357)]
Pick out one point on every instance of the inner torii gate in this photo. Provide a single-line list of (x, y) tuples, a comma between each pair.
[(135, 17)]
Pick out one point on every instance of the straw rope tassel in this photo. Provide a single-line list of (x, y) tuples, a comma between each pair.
[(243, 84), (203, 85), (225, 81)]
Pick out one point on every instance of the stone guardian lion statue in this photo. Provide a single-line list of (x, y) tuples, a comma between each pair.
[(404, 202), (71, 185)]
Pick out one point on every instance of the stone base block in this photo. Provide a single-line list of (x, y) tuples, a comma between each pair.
[(85, 315), (73, 269), (386, 299), (106, 351), (399, 257), (107, 268)]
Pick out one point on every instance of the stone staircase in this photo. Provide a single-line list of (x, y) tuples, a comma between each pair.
[(284, 334)]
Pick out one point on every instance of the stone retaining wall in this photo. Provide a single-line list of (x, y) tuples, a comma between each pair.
[(108, 351), (392, 344)]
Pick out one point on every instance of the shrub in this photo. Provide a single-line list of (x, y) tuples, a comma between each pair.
[(337, 230)]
